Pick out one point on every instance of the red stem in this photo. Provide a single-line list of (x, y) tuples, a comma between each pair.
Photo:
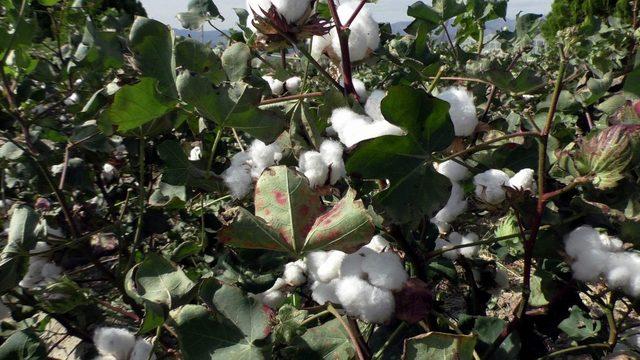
[(343, 38), (354, 15)]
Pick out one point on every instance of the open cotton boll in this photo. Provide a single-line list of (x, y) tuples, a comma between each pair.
[(312, 165), (378, 244), (141, 351), (51, 272), (330, 268), (618, 272), (523, 180), (471, 251), (238, 176), (363, 25), (353, 128), (359, 87), (385, 270), (293, 84), (294, 274), (291, 10), (262, 156), (370, 303), (277, 86), (462, 110), (442, 244), (314, 261), (195, 154), (325, 292), (610, 243), (319, 44), (453, 170), (373, 105), (352, 265), (331, 152), (590, 264), (489, 186), (114, 341), (456, 206)]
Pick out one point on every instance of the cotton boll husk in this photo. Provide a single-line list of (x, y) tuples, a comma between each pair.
[(141, 350), (331, 152), (453, 171), (524, 180), (294, 274), (471, 251), (489, 186), (293, 84), (312, 165), (330, 268), (353, 128), (277, 86), (262, 156), (113, 341), (195, 154), (580, 239), (378, 244), (379, 307), (385, 270), (462, 110), (373, 105), (325, 292)]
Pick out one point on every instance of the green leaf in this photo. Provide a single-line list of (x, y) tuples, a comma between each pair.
[(345, 226), (136, 105), (199, 58), (159, 281), (244, 230), (101, 47), (179, 171), (204, 336), (289, 325), (246, 313), (287, 203), (48, 2), (436, 345), (22, 235), (449, 8), (152, 44), (235, 61), (198, 12), (23, 345), (415, 188), (169, 196), (233, 106), (632, 84), (327, 341), (543, 288), (154, 316), (579, 326), (488, 329)]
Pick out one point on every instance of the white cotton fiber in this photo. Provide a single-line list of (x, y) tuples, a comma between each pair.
[(470, 252), (330, 268), (442, 244), (362, 299), (109, 173), (314, 261), (141, 350), (262, 156), (456, 206), (114, 341), (195, 154), (364, 32), (453, 170), (331, 152), (385, 270), (523, 180), (291, 10), (455, 239), (312, 165), (277, 86), (325, 292), (378, 244), (352, 265), (293, 85), (273, 298), (618, 270), (373, 105), (462, 110), (247, 166), (380, 306), (353, 128), (489, 186), (294, 274), (51, 272), (319, 44)]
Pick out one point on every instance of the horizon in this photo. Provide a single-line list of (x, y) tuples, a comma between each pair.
[(386, 11)]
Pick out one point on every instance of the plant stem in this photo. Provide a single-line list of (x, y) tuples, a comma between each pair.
[(559, 353), (480, 39), (142, 202), (354, 15), (291, 97), (345, 58), (155, 341), (315, 317), (350, 332), (434, 81), (486, 144), (214, 148), (390, 339)]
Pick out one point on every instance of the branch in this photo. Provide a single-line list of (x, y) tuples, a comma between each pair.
[(354, 15), (291, 97), (485, 145), (350, 332), (343, 38)]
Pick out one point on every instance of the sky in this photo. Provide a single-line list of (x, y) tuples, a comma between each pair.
[(385, 10)]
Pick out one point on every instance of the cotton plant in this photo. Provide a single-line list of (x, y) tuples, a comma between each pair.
[(490, 185), (120, 344), (462, 110), (352, 128), (291, 10), (276, 86), (456, 239), (247, 166), (457, 203), (42, 271), (596, 255), (324, 166)]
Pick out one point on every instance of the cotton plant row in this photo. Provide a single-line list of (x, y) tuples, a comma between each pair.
[(595, 255), (362, 283)]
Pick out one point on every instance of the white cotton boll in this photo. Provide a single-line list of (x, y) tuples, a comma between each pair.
[(331, 152), (591, 263), (33, 277), (314, 261), (453, 170), (325, 292), (364, 26), (471, 251), (378, 244), (115, 342), (51, 272), (238, 176), (352, 265), (359, 298), (373, 105), (456, 206), (312, 165), (358, 48), (524, 180), (442, 244), (195, 154), (292, 10), (462, 110), (610, 243), (273, 298), (353, 128), (40, 247), (380, 306), (580, 239), (277, 86), (72, 100), (489, 186), (359, 87), (330, 268), (619, 270), (262, 156), (293, 84), (5, 312), (318, 45), (141, 350), (294, 274), (385, 270)]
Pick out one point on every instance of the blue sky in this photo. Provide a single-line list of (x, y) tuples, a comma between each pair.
[(384, 10)]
